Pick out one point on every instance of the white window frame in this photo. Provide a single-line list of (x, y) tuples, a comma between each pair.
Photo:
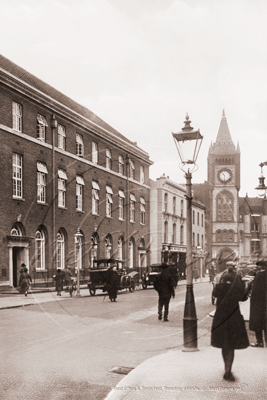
[(132, 169), (17, 116), (95, 198), (109, 201), (41, 127), (17, 175), (61, 137), (121, 165), (40, 250), (94, 152), (142, 174), (62, 177), (142, 211), (121, 205), (108, 159), (79, 193), (79, 145), (60, 250), (132, 207), (41, 182)]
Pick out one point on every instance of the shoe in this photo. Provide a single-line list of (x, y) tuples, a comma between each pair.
[(160, 316), (228, 376), (166, 320), (256, 345), (26, 294)]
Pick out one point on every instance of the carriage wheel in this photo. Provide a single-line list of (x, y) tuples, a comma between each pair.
[(132, 286)]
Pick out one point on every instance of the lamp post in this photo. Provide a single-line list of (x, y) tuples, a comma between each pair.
[(261, 187), (78, 241), (188, 143)]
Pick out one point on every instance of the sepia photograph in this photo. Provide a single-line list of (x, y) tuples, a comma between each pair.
[(133, 202)]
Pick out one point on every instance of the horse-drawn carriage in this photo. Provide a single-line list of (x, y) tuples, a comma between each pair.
[(101, 274)]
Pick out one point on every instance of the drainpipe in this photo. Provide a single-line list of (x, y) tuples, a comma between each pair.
[(53, 127), (127, 209)]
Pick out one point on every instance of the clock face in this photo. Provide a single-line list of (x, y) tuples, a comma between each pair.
[(225, 175)]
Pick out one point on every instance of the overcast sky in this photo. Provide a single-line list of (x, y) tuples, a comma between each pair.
[(141, 65)]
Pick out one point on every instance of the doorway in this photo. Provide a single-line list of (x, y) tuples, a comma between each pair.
[(17, 260)]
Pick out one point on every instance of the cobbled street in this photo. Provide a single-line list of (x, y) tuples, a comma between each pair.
[(66, 349)]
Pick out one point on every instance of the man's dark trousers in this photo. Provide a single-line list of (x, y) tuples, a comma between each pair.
[(164, 301)]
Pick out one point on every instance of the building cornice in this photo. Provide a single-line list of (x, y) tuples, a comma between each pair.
[(57, 107)]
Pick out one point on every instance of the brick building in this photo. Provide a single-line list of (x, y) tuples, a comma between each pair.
[(168, 224), (63, 171)]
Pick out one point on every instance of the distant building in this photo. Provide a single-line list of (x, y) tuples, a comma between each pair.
[(63, 169), (168, 223), (236, 227)]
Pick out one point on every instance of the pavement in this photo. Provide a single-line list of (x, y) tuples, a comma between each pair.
[(177, 374)]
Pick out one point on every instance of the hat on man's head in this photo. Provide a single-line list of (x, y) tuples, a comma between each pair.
[(262, 263), (23, 265)]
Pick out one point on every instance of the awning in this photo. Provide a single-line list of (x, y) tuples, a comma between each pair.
[(79, 180), (95, 194), (62, 174), (109, 198), (132, 197), (95, 185), (255, 240), (142, 200), (41, 119), (121, 193), (109, 189), (79, 139), (41, 167)]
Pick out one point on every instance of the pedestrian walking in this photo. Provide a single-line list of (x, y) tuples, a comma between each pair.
[(228, 330), (24, 280), (67, 276), (212, 273), (112, 286), (59, 278), (164, 286), (258, 301)]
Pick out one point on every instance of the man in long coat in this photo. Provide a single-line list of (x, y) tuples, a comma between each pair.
[(257, 320), (164, 286)]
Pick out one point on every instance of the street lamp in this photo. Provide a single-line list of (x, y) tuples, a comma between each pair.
[(261, 187), (188, 143), (78, 242)]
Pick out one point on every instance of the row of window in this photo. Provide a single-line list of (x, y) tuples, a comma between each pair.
[(60, 255), (62, 189), (61, 144), (174, 236), (165, 205), (193, 219), (225, 235), (196, 240)]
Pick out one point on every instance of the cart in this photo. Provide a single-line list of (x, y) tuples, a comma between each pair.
[(100, 275)]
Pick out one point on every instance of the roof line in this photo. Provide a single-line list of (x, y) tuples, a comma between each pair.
[(67, 108)]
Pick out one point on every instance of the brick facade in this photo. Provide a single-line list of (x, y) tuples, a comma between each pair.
[(22, 217)]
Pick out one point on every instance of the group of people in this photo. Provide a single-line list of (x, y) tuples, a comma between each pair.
[(228, 330)]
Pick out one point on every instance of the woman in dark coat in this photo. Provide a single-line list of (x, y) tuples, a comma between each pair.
[(24, 281), (228, 330), (257, 320), (113, 285), (59, 278)]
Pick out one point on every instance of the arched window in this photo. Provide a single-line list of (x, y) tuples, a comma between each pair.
[(166, 202), (108, 246), (166, 232), (231, 235), (60, 250), (174, 234), (40, 250), (224, 236), (94, 249), (182, 234), (218, 236), (224, 205), (131, 253)]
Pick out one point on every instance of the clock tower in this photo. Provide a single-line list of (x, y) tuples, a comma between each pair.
[(224, 181)]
